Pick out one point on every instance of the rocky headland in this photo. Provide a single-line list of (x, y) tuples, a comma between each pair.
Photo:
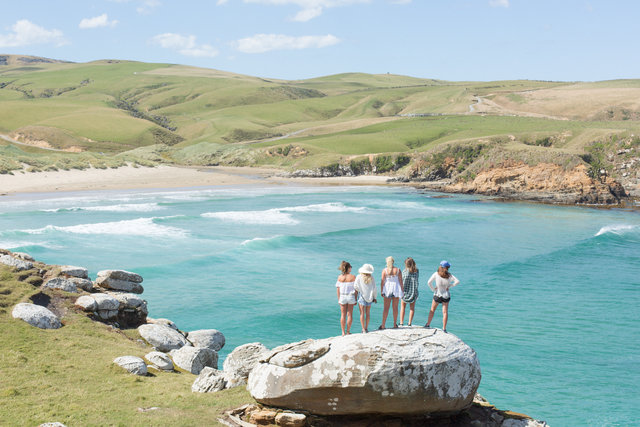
[(406, 376)]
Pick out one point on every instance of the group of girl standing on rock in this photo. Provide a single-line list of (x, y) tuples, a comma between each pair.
[(395, 286)]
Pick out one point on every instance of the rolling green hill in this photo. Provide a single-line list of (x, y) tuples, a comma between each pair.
[(106, 113)]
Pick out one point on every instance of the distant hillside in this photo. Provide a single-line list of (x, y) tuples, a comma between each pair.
[(186, 115)]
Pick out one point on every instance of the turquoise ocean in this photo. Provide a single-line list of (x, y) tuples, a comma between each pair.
[(549, 295)]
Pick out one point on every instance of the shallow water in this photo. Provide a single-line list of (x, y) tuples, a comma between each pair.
[(548, 298)]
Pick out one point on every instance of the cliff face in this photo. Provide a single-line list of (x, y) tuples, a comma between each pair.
[(543, 182)]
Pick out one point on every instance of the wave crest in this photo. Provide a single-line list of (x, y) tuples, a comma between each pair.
[(618, 229), (134, 227)]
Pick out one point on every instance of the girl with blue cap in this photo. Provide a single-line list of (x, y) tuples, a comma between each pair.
[(443, 282)]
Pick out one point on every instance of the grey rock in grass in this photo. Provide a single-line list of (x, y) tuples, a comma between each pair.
[(194, 359), (128, 300), (84, 284), (159, 359), (288, 419), (36, 315), (62, 284), (164, 322), (23, 256), (133, 364), (163, 338), (394, 371), (87, 303), (106, 302), (241, 361), (53, 424), (16, 263), (123, 275), (207, 338), (119, 285), (209, 380), (73, 271)]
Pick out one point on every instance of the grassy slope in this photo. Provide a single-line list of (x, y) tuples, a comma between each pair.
[(67, 375), (198, 111)]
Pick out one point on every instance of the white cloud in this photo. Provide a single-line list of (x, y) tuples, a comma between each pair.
[(26, 33), (221, 2), (499, 3), (147, 6), (310, 8), (261, 43), (97, 21), (400, 1), (185, 45)]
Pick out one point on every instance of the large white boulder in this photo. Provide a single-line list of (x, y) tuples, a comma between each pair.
[(36, 315), (209, 380), (86, 303), (133, 364), (241, 361), (207, 338), (394, 371), (194, 359), (163, 338)]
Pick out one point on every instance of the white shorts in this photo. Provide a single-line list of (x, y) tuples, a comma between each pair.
[(347, 299)]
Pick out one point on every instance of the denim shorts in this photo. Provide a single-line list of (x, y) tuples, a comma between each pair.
[(362, 302)]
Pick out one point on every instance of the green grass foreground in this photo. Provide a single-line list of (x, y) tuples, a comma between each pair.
[(68, 375)]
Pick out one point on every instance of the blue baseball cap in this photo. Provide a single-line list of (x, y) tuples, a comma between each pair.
[(445, 264)]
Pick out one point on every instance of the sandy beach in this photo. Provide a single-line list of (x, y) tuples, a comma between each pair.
[(159, 177)]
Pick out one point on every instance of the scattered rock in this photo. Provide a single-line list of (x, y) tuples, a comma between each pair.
[(395, 371), (23, 256), (16, 263), (164, 322), (194, 359), (106, 302), (54, 424), (209, 380), (62, 284), (160, 360), (123, 275), (264, 417), (36, 315), (241, 361), (73, 271), (86, 303), (133, 364), (290, 419), (119, 285), (163, 338), (84, 284), (207, 338)]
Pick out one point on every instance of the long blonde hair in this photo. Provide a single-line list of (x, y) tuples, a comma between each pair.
[(390, 262), (366, 278)]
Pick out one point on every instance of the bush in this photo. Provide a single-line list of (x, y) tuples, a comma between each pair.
[(360, 166)]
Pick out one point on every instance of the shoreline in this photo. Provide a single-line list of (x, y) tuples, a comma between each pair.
[(160, 177)]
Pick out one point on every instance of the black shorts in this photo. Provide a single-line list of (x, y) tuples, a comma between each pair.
[(440, 300)]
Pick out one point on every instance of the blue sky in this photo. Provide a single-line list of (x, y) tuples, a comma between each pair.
[(294, 39)]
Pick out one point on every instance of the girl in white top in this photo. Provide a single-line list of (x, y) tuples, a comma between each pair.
[(443, 282), (366, 289), (391, 289), (346, 296)]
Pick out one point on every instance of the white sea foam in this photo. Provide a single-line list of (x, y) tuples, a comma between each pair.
[(259, 239), (267, 217), (127, 207), (324, 207), (134, 227), (617, 229)]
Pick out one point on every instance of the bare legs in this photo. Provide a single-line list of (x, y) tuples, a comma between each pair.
[(385, 311), (412, 307), (395, 312), (445, 314), (346, 317), (365, 317)]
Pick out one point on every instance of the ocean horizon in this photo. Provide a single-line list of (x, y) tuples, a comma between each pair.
[(548, 295)]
